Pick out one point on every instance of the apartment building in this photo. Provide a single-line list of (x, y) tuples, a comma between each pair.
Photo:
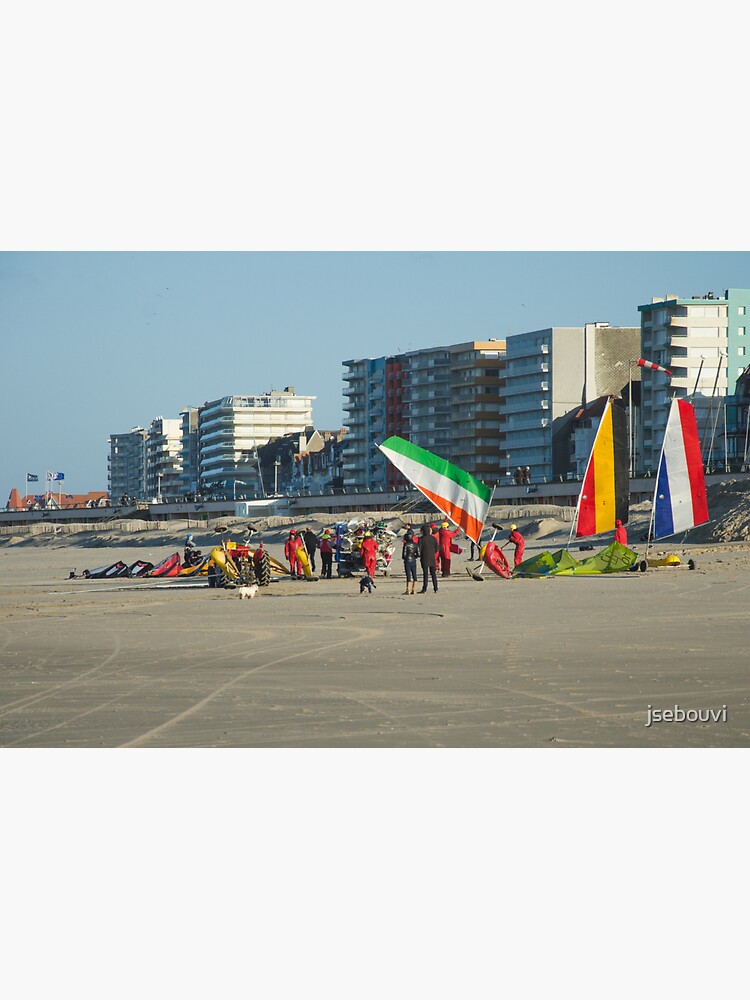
[(550, 375), (230, 430), (126, 464), (445, 399), (477, 394), (364, 466), (189, 449), (164, 458), (702, 340)]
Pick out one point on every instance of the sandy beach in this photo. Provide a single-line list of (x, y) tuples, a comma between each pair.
[(570, 662)]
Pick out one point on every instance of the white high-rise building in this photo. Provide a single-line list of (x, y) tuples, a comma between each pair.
[(702, 342), (231, 429), (164, 458)]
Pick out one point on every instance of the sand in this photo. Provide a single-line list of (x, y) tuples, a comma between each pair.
[(520, 663)]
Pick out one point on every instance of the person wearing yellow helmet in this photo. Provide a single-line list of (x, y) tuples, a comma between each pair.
[(445, 541), (292, 544), (517, 539), (326, 555), (369, 553)]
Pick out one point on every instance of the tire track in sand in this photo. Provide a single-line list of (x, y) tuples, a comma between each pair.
[(140, 740)]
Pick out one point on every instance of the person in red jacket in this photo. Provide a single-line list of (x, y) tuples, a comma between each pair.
[(291, 545), (445, 538), (621, 534), (517, 539), (369, 553), (326, 554)]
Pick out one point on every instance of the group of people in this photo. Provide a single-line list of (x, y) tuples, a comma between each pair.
[(308, 541), (432, 547), (522, 476)]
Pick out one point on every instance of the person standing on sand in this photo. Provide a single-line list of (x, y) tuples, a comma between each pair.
[(369, 553), (428, 550), (409, 553), (517, 539), (291, 545), (445, 540), (311, 544), (621, 534), (326, 555)]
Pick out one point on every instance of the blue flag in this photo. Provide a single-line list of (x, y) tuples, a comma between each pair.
[(31, 479), (57, 476)]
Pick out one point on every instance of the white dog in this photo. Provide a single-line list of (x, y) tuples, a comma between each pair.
[(248, 592)]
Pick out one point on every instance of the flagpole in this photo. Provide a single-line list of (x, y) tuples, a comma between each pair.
[(631, 464), (489, 508), (697, 378), (710, 409), (726, 454), (713, 434), (478, 573)]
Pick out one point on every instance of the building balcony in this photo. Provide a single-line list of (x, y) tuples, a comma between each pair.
[(525, 388)]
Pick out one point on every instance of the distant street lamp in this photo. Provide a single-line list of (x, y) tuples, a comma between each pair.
[(235, 484), (276, 465)]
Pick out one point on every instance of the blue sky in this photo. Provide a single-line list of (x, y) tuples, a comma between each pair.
[(98, 342)]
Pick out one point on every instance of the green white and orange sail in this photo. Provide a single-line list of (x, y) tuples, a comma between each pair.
[(605, 493), (463, 499)]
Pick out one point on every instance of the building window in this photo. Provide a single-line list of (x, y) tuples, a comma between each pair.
[(740, 310), (740, 331), (741, 351)]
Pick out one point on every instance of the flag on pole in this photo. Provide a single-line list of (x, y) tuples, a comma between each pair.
[(657, 368), (56, 477), (31, 478), (463, 499)]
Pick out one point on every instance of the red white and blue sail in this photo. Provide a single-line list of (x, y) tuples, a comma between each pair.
[(680, 496)]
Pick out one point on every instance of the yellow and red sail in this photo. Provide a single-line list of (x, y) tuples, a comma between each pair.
[(606, 489)]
